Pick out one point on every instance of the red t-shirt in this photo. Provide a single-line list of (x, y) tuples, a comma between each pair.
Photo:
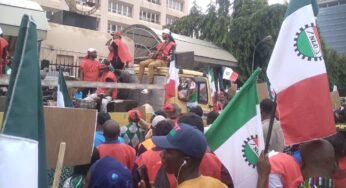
[(3, 53), (91, 69), (121, 152), (165, 48), (110, 76), (152, 161)]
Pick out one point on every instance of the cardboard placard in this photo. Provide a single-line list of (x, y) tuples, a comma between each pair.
[(336, 101), (76, 127), (262, 90)]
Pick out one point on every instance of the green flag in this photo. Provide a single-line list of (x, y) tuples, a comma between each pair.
[(236, 136), (63, 98), (23, 161)]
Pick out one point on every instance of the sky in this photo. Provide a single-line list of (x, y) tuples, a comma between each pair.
[(204, 3)]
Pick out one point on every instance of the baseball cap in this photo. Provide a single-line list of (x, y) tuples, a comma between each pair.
[(184, 138), (167, 31), (132, 113), (108, 173), (91, 50), (116, 34), (156, 120)]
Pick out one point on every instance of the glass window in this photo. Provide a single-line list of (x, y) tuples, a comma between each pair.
[(118, 7), (149, 16), (202, 93)]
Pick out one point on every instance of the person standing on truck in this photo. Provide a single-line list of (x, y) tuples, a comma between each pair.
[(119, 55), (3, 51), (105, 94), (89, 70), (160, 58)]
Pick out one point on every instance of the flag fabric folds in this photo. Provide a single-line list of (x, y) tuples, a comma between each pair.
[(236, 136), (297, 75), (22, 139), (63, 98), (229, 74), (172, 81)]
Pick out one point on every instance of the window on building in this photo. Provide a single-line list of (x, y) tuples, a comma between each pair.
[(114, 27), (154, 1), (176, 5), (119, 7), (171, 19), (86, 2), (149, 16)]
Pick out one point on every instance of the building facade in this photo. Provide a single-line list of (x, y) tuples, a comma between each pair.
[(332, 24), (115, 15)]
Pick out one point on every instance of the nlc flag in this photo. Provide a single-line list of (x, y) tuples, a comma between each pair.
[(236, 136), (298, 76), (63, 98), (172, 81), (22, 137)]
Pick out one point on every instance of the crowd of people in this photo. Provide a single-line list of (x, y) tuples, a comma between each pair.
[(170, 150)]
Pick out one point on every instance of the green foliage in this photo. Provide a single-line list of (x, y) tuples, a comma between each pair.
[(250, 22), (336, 68)]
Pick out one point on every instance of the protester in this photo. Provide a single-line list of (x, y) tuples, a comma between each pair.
[(277, 139), (151, 160), (105, 94), (99, 139), (263, 169), (89, 70), (119, 55), (160, 58), (210, 164), (122, 152), (133, 133), (156, 113), (148, 143), (285, 171), (339, 144), (108, 173), (192, 94), (211, 117), (173, 111), (318, 164), (183, 151), (3, 51), (197, 110)]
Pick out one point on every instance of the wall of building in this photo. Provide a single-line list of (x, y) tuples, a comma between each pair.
[(332, 24), (109, 14)]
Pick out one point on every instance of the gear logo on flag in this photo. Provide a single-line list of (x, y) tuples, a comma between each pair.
[(307, 43), (251, 150)]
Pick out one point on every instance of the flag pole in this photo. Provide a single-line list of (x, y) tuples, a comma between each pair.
[(271, 122)]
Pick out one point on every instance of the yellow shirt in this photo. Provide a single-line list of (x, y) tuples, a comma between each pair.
[(202, 182)]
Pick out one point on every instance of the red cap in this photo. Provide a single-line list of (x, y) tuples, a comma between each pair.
[(132, 115), (118, 34), (168, 107)]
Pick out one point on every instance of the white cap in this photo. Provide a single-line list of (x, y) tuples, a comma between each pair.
[(156, 120), (0, 31), (167, 31), (91, 50)]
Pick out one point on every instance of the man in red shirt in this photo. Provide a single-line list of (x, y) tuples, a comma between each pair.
[(105, 94), (89, 70), (124, 153), (3, 51), (160, 58), (119, 55)]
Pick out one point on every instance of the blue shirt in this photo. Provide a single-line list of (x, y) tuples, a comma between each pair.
[(100, 139)]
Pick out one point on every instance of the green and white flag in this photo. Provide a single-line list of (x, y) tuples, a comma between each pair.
[(23, 162), (63, 98), (236, 135)]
